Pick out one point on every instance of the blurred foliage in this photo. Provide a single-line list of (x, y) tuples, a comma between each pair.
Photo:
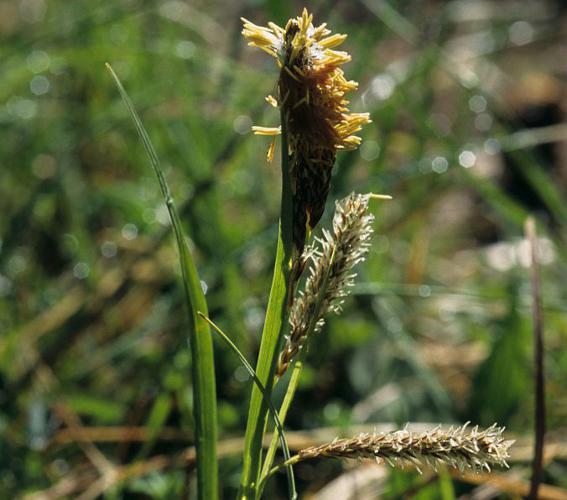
[(468, 101)]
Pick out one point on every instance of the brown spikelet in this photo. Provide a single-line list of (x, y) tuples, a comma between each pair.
[(311, 94), (460, 447)]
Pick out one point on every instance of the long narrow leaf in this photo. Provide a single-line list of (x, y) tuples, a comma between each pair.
[(271, 338), (203, 370)]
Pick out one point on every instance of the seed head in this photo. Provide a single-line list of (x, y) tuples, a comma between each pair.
[(332, 258), (456, 447)]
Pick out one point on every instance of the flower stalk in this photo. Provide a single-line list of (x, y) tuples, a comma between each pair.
[(315, 124)]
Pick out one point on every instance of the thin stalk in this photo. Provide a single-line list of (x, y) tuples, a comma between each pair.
[(271, 471), (537, 467), (284, 408), (279, 427), (276, 315), (200, 341)]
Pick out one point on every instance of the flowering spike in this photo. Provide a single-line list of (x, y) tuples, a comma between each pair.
[(329, 277), (455, 447), (311, 93)]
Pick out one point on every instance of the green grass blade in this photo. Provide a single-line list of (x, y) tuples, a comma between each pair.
[(279, 426), (271, 338), (504, 206), (155, 423), (203, 369), (542, 183), (446, 488)]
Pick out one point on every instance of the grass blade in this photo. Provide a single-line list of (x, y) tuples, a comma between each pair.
[(203, 370), (271, 337)]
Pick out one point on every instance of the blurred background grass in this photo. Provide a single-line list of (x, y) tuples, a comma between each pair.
[(468, 101)]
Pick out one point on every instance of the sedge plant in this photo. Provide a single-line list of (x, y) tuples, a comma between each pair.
[(311, 275)]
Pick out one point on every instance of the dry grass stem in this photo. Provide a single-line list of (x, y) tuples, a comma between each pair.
[(330, 277), (539, 372)]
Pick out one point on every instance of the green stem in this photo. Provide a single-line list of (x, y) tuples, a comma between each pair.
[(271, 336), (271, 407), (290, 462), (297, 368), (288, 398)]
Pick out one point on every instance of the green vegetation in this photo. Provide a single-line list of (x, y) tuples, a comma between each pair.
[(99, 387)]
